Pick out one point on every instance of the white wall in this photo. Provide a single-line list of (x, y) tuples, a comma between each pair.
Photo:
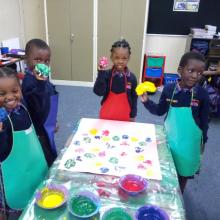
[(173, 47), (23, 19), (10, 20)]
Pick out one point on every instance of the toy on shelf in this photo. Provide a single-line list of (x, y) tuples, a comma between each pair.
[(145, 87), (103, 62), (42, 70)]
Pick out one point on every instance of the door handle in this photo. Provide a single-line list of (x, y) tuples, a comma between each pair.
[(72, 36)]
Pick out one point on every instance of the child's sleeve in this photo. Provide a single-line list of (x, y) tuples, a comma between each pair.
[(101, 83), (35, 95), (5, 142), (158, 109), (134, 97), (204, 116)]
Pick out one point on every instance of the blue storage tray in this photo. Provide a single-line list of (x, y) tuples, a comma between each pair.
[(154, 72), (170, 78)]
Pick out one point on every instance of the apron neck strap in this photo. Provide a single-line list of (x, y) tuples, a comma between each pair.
[(125, 78), (171, 100), (9, 118)]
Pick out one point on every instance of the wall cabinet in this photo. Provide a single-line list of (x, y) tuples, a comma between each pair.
[(72, 32)]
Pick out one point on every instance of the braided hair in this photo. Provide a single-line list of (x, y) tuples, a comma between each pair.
[(8, 72), (121, 43)]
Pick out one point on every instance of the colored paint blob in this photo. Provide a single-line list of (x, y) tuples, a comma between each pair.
[(88, 155), (151, 212), (82, 206), (104, 169), (52, 200), (124, 136), (105, 139), (69, 163), (51, 197), (134, 139), (115, 138), (116, 214), (132, 185), (142, 143), (93, 131), (113, 160)]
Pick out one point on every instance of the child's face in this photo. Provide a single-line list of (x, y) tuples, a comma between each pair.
[(10, 93), (38, 55), (120, 57), (191, 73)]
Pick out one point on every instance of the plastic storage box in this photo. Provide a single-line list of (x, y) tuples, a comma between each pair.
[(170, 78)]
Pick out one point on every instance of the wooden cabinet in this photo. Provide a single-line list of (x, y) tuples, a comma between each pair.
[(73, 31)]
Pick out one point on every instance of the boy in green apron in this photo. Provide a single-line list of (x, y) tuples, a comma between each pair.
[(22, 162), (186, 105)]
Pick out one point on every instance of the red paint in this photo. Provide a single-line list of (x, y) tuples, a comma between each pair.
[(105, 132), (100, 184), (102, 192), (132, 185)]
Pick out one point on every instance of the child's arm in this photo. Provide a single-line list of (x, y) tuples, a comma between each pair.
[(101, 83), (204, 115), (156, 109), (5, 146), (134, 97), (35, 94)]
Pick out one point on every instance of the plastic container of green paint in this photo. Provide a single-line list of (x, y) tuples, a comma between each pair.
[(84, 204)]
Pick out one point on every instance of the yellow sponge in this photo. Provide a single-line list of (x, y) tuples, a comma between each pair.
[(145, 87)]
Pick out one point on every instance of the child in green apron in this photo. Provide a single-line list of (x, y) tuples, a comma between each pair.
[(22, 162), (186, 105)]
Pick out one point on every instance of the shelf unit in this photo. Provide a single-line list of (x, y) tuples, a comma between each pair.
[(211, 53), (153, 70)]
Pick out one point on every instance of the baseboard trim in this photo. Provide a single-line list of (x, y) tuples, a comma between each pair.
[(72, 83)]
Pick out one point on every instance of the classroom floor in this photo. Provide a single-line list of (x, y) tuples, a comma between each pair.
[(202, 195)]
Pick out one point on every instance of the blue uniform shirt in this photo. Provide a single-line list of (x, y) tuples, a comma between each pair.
[(182, 98)]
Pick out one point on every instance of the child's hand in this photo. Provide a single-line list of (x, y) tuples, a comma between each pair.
[(103, 63), (39, 77), (1, 126), (144, 97)]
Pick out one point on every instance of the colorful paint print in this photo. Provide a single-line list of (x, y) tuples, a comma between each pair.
[(113, 148)]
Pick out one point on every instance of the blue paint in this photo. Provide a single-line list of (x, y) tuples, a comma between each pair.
[(104, 169)]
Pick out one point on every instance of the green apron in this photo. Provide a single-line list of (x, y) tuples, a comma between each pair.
[(24, 168), (184, 139)]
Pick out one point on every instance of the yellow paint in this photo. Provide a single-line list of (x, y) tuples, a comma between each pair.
[(134, 139), (93, 131), (150, 172), (52, 200), (95, 149), (140, 158), (98, 164), (106, 139)]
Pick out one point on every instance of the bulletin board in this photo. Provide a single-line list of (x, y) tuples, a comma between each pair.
[(163, 20)]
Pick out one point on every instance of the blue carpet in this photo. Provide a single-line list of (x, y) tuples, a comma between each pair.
[(202, 194)]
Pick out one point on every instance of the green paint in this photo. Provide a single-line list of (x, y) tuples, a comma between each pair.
[(70, 163), (113, 160), (142, 143), (88, 155), (116, 214), (116, 138), (83, 206)]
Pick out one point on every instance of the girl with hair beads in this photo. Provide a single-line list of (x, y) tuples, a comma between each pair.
[(117, 86), (23, 165)]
